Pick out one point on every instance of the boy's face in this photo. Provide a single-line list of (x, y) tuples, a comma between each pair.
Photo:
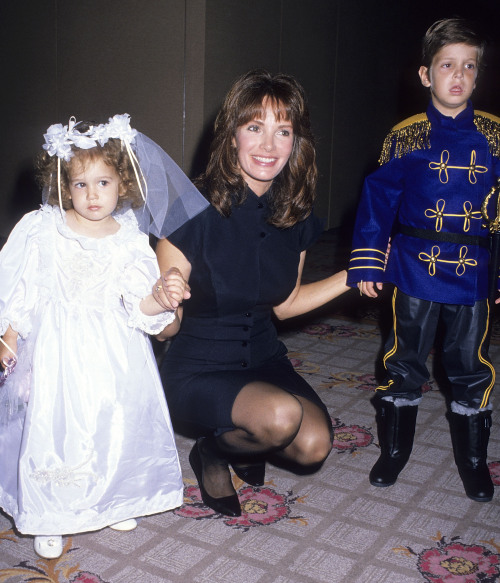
[(451, 77)]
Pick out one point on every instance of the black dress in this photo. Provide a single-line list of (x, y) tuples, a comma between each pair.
[(241, 267)]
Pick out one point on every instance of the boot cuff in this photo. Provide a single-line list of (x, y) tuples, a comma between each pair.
[(400, 402), (468, 411)]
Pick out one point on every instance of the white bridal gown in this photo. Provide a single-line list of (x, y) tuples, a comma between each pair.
[(85, 434)]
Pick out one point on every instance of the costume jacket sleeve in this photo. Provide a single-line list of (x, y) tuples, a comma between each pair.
[(376, 214)]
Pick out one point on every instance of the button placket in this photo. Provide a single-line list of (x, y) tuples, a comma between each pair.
[(246, 329)]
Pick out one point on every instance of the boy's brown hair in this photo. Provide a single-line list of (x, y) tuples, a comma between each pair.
[(450, 31)]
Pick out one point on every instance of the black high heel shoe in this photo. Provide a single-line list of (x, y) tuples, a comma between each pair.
[(253, 474), (227, 505)]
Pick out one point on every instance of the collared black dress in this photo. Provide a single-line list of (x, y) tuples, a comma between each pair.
[(241, 267)]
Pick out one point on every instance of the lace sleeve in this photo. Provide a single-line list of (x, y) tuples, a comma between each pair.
[(138, 279), (137, 319)]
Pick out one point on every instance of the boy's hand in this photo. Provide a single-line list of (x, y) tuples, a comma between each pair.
[(171, 289), (368, 288)]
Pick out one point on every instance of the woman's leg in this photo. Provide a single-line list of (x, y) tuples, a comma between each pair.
[(267, 420), (313, 442), (271, 420)]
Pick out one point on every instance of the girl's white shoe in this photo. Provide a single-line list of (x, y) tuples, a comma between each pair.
[(125, 525), (48, 547)]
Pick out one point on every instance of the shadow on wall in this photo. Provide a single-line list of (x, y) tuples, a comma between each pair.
[(26, 195), (202, 152)]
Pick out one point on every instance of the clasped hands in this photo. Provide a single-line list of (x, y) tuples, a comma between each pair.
[(171, 289)]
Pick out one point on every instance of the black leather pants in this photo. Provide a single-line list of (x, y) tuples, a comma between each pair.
[(465, 357)]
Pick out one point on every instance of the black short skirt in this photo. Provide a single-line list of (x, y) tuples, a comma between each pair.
[(201, 403)]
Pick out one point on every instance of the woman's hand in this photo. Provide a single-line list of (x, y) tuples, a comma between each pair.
[(171, 289)]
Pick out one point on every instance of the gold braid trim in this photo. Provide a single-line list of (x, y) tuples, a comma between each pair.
[(409, 135), (489, 125)]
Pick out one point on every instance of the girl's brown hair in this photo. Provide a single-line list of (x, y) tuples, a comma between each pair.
[(294, 189), (112, 154)]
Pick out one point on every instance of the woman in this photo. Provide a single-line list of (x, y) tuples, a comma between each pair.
[(226, 374)]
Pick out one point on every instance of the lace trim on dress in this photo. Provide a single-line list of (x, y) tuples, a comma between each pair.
[(149, 324), (65, 475)]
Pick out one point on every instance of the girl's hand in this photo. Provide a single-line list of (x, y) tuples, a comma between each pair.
[(8, 349), (171, 289)]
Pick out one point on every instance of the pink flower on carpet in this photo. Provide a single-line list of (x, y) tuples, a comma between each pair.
[(459, 563), (260, 506), (426, 387), (368, 382), (329, 331), (296, 363), (85, 577), (317, 329), (495, 472), (351, 437), (193, 506)]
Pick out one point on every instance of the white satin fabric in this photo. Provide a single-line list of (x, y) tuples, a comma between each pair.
[(85, 434)]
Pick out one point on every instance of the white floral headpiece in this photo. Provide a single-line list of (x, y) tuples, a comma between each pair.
[(59, 138)]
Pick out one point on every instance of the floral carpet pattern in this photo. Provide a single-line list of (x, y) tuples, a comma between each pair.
[(331, 526)]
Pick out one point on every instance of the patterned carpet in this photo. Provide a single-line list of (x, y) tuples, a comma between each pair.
[(330, 527)]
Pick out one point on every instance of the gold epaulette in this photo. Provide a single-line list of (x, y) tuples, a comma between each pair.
[(409, 135), (489, 126)]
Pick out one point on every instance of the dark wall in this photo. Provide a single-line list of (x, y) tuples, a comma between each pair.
[(169, 63)]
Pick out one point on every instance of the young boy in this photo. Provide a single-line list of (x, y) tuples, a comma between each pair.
[(436, 169)]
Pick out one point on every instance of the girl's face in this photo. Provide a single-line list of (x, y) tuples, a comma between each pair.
[(94, 190), (264, 147), (451, 77)]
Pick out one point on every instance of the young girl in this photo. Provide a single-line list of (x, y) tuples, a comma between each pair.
[(85, 435)]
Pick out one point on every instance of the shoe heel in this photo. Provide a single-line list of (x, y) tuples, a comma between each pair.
[(227, 505)]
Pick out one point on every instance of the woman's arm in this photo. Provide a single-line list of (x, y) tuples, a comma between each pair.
[(168, 255), (309, 296)]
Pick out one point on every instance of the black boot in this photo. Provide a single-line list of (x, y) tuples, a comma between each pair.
[(396, 429), (470, 435)]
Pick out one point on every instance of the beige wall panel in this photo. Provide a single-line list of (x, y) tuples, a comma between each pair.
[(308, 52), (124, 56), (239, 36)]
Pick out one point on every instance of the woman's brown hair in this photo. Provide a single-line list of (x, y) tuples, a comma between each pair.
[(294, 189)]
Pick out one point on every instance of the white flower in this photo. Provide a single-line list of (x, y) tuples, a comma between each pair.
[(119, 127), (57, 142), (101, 134)]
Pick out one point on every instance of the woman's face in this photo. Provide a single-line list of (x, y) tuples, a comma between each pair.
[(263, 147)]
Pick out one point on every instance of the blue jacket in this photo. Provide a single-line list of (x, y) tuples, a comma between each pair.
[(435, 173)]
